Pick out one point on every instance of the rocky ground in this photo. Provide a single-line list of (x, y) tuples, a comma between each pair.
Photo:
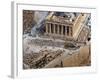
[(41, 59), (50, 56)]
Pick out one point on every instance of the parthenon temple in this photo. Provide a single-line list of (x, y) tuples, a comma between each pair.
[(64, 27)]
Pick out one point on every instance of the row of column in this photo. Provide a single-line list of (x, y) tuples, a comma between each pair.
[(58, 29)]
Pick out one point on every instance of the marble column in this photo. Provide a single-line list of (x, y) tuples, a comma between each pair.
[(65, 30), (54, 28), (69, 31), (46, 27), (62, 30), (50, 28), (57, 29)]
